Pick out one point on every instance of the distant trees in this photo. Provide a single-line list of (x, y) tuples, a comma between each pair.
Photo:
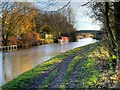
[(60, 25), (23, 24), (54, 23)]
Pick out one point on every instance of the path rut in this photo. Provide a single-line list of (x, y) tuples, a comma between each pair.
[(57, 79)]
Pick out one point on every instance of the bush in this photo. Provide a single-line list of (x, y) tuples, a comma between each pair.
[(46, 41), (12, 40), (30, 39)]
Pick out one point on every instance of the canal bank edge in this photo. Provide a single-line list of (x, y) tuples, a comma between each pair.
[(29, 77), (52, 61)]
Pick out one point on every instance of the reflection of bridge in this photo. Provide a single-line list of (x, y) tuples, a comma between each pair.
[(88, 33)]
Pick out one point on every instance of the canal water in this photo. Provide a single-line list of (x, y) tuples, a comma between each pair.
[(14, 63)]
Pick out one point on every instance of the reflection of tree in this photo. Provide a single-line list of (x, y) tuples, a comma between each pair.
[(3, 68), (62, 49)]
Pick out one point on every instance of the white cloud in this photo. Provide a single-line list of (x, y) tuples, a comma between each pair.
[(83, 19)]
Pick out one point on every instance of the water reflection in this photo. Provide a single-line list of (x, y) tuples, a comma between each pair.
[(17, 62), (1, 65)]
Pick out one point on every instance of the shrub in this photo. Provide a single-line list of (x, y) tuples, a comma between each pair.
[(30, 39), (12, 40)]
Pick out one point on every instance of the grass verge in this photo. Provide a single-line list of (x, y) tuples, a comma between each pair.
[(92, 72), (47, 80), (22, 80), (68, 72)]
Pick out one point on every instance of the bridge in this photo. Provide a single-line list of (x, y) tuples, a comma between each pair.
[(88, 33)]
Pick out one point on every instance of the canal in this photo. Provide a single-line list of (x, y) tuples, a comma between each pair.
[(14, 63)]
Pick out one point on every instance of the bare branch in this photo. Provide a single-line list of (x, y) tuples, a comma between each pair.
[(85, 4), (51, 4), (63, 6)]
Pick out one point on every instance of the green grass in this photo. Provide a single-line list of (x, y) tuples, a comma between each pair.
[(22, 80), (88, 74), (68, 72), (25, 78), (47, 80)]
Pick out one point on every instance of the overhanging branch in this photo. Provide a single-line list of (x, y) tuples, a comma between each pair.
[(63, 6)]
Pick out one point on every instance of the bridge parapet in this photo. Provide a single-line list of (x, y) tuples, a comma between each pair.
[(89, 33)]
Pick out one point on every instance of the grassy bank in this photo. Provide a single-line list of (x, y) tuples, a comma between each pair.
[(92, 71), (22, 80), (85, 70)]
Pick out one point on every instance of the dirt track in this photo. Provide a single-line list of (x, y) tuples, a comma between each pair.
[(58, 77)]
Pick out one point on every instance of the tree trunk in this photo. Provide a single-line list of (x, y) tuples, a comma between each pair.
[(111, 39), (107, 27), (117, 30)]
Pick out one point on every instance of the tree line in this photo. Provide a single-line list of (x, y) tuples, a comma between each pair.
[(25, 25)]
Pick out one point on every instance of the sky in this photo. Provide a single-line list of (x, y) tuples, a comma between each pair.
[(83, 21)]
